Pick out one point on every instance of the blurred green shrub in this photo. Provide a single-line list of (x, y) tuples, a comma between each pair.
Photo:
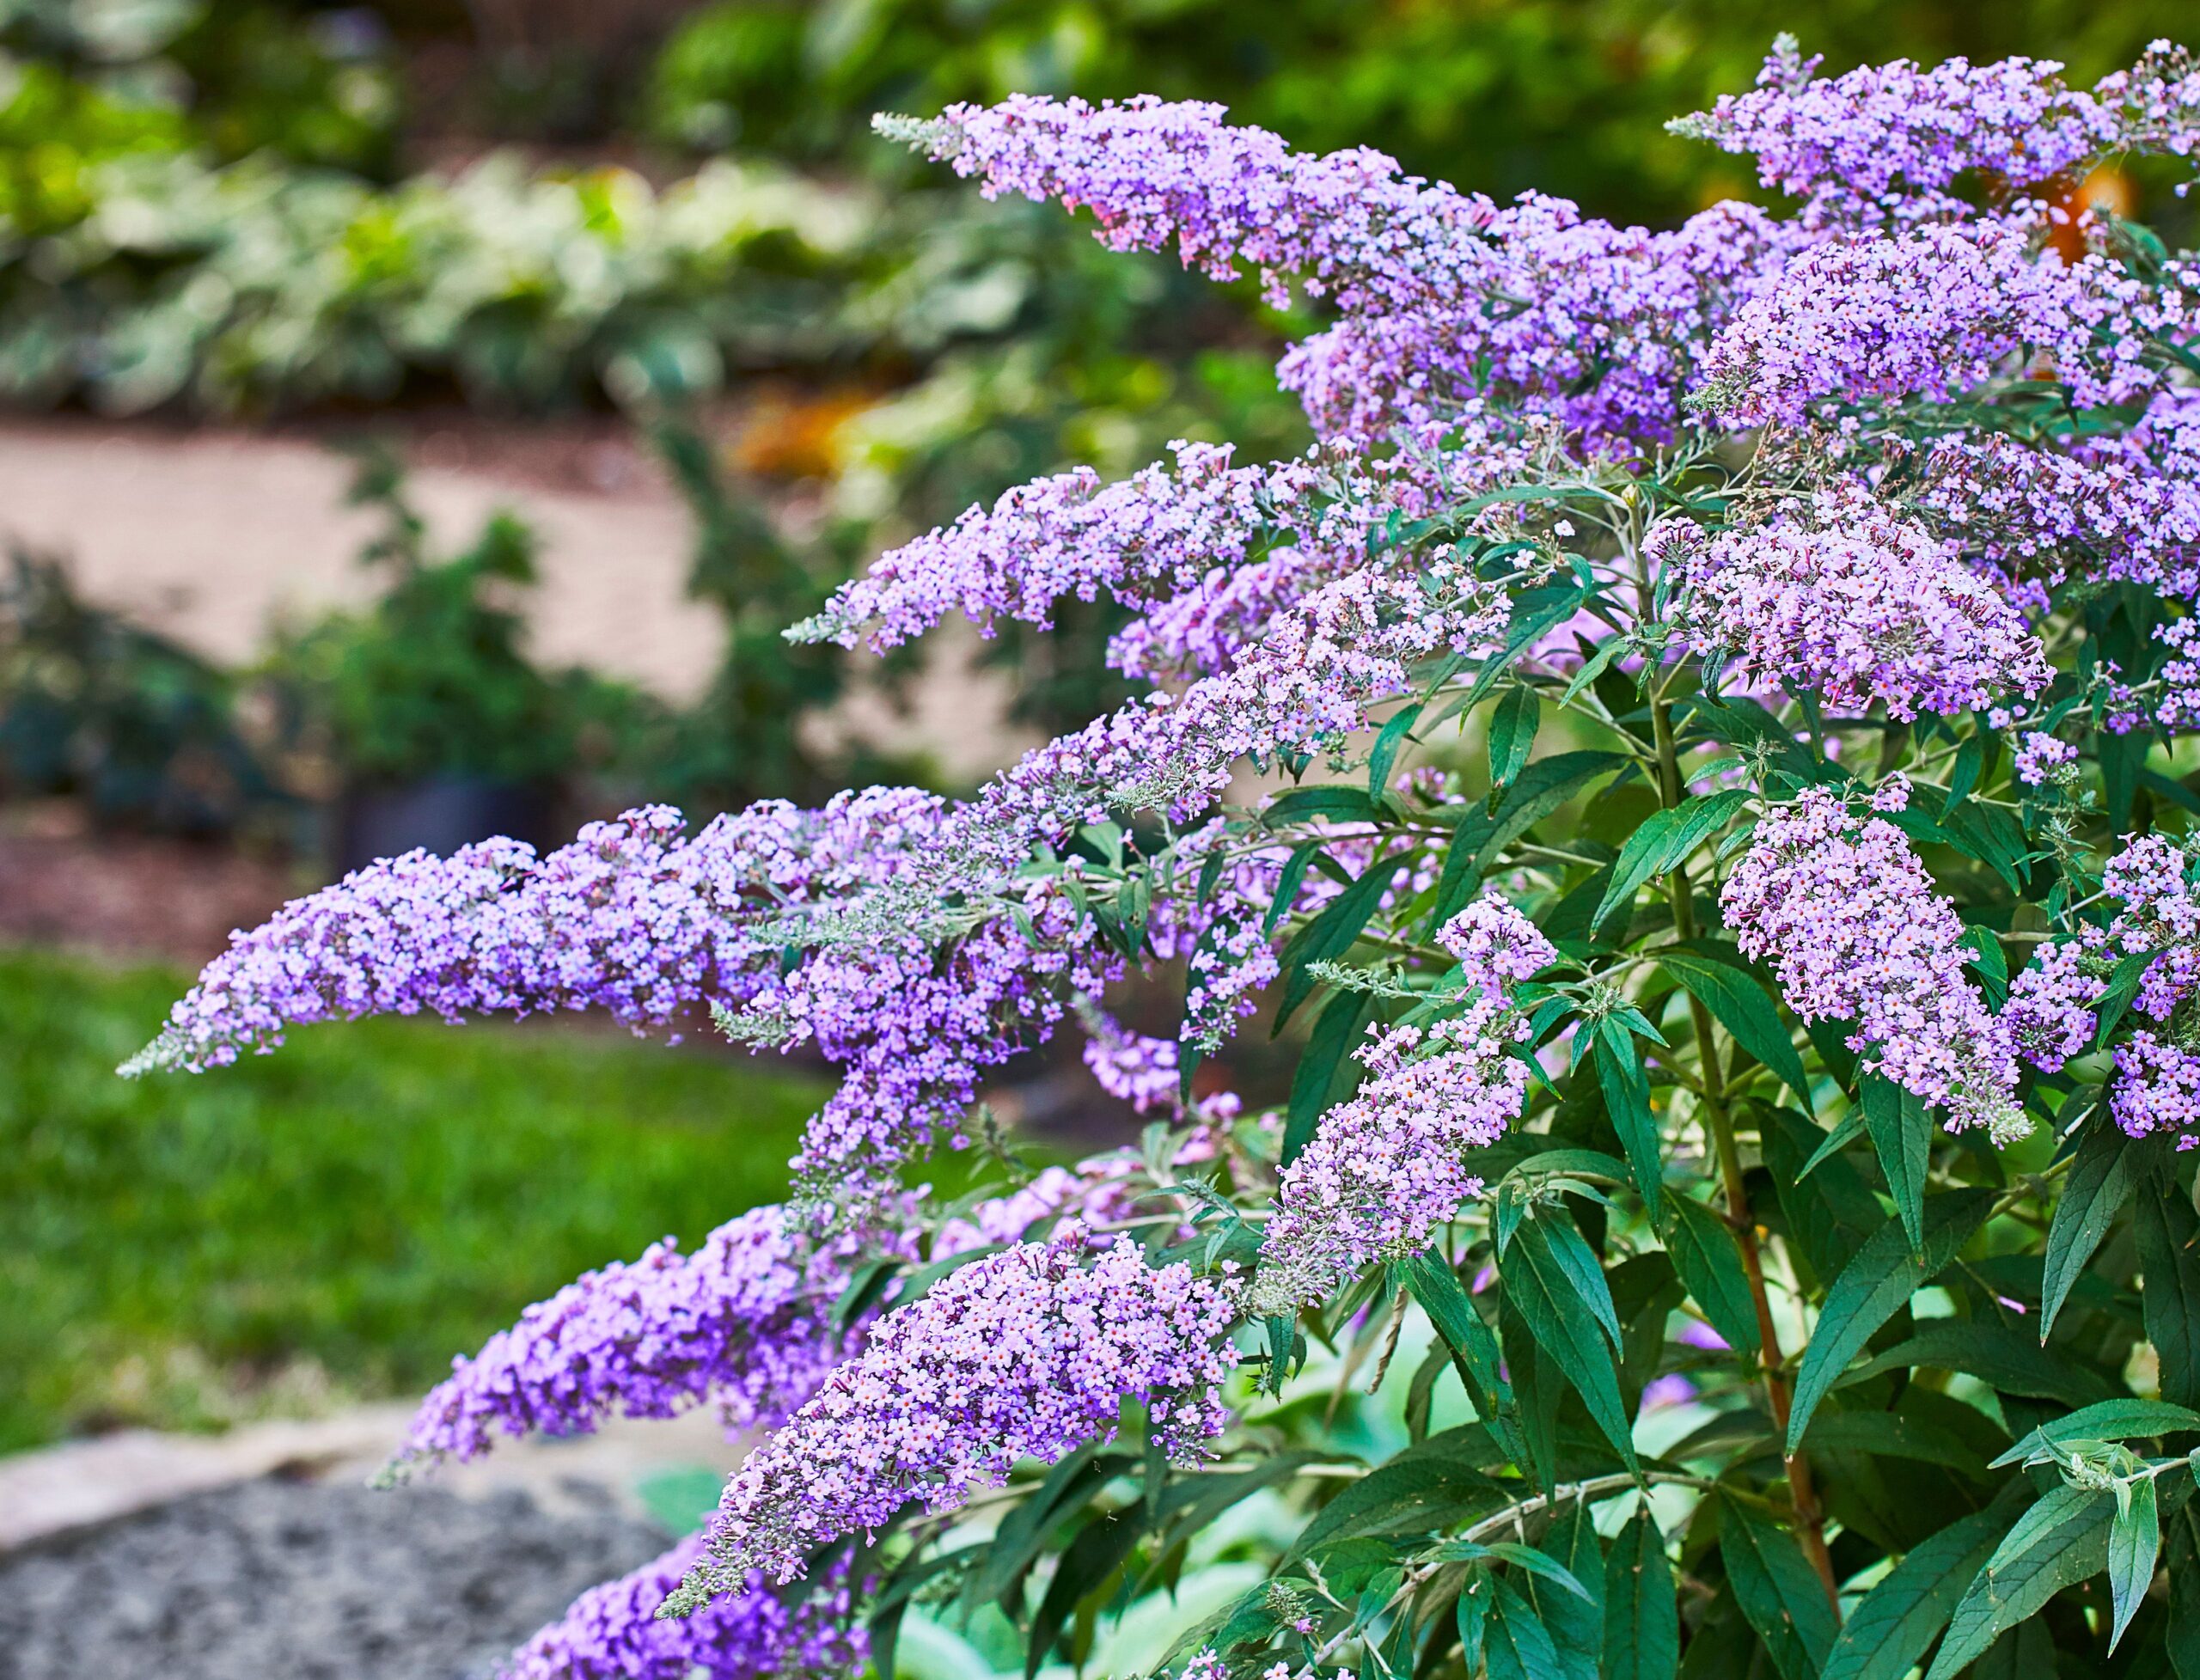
[(142, 732), (433, 680)]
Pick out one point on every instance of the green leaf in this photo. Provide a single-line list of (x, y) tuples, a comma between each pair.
[(1473, 1615), (2135, 1540), (1545, 1286), (1515, 1644), (1540, 789), (1642, 1624), (1876, 1434), (1512, 733), (1889, 1630), (1328, 1071), (2183, 1633), (1384, 753), (1832, 1214), (1101, 1548), (1571, 1558), (2108, 1169), (1709, 1262), (1735, 998), (2059, 1541), (1627, 1099), (2007, 1359), (1846, 1130), (1664, 842), (2123, 986), (1781, 1595), (1287, 883), (1902, 1133), (1472, 1344), (1334, 801), (1885, 1273), (2124, 1419), (2169, 1265), (1333, 932), (1416, 1495)]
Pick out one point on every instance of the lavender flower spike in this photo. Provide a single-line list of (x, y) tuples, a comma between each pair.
[(613, 1632), (1854, 930), (1388, 1168), (1025, 1353), (744, 1321)]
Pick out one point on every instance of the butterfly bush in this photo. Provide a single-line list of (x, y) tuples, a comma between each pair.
[(1666, 829)]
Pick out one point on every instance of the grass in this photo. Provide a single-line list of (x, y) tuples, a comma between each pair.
[(346, 1213)]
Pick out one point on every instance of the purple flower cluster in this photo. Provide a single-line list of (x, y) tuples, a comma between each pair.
[(1389, 1166), (744, 1322), (1848, 600), (1854, 930), (1029, 1353), (1444, 297), (632, 916), (613, 1632), (1939, 310), (1130, 1067), (2127, 508), (1888, 143)]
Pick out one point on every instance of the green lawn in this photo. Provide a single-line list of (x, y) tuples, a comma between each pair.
[(364, 1203)]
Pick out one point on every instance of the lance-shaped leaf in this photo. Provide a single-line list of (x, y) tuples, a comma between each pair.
[(1890, 1628), (1471, 1341), (1571, 1557), (1709, 1262), (2058, 1542), (1781, 1595), (2108, 1169), (1541, 789), (2169, 1264), (1327, 1071), (1902, 1132), (1512, 733), (1663, 843), (2135, 1540), (1332, 933), (1885, 1273), (1515, 1643), (1642, 1621), (1568, 1314), (1384, 754), (1738, 1003), (2008, 1358), (1627, 1099), (2121, 1420)]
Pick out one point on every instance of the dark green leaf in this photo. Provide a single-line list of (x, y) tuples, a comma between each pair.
[(2108, 1167), (1832, 1214), (1328, 1071), (1738, 1002), (2120, 1420), (1902, 1133), (2007, 1359), (1627, 1100), (1874, 1434), (2135, 1540), (1709, 1262), (1664, 842), (1781, 1595), (2182, 1544), (1642, 1628), (2123, 986), (1416, 1494), (1515, 1644), (1574, 1619), (1541, 789), (2169, 1265), (1512, 733), (1287, 883), (1384, 754), (2058, 1542), (1885, 1273), (1100, 1549), (1889, 1628), (1335, 803), (1473, 1346), (1332, 933), (1555, 1305)]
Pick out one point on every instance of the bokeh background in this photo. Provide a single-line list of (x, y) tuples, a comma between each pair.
[(419, 420)]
